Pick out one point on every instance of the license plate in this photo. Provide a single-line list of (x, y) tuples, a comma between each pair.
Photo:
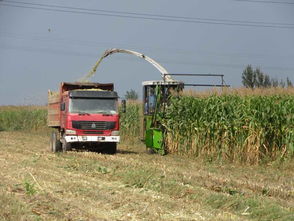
[(100, 138)]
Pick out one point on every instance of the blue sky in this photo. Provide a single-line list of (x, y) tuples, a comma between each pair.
[(41, 48)]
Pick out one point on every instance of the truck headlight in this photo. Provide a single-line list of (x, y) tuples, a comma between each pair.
[(115, 133), (70, 132)]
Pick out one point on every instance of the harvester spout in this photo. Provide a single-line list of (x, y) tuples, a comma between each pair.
[(164, 73)]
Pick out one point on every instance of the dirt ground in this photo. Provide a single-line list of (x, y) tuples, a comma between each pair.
[(36, 184)]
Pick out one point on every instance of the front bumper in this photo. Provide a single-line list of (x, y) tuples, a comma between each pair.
[(101, 139)]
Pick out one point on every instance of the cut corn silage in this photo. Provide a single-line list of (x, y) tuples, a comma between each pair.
[(238, 128)]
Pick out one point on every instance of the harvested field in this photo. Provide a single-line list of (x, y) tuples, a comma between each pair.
[(132, 185)]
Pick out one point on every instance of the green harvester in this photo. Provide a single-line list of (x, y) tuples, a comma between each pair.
[(156, 96)]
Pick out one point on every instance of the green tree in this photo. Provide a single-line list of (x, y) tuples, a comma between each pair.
[(248, 77), (274, 82), (267, 81), (131, 95), (282, 83), (289, 83), (262, 80), (257, 79)]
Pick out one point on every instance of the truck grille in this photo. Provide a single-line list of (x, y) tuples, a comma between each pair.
[(93, 125), (93, 132)]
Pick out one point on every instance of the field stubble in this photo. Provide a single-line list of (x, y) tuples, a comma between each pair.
[(132, 185)]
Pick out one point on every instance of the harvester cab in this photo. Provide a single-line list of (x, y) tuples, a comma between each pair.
[(156, 96)]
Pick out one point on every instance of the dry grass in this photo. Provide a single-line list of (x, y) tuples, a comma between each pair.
[(133, 185)]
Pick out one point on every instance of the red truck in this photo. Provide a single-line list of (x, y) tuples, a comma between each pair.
[(84, 115)]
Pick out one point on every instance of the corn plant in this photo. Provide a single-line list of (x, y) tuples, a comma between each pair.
[(130, 122), (232, 127), (22, 118)]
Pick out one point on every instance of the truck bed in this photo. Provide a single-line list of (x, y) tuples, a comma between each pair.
[(53, 118)]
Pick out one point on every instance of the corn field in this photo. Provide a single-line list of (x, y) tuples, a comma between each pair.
[(23, 118), (247, 129), (130, 122)]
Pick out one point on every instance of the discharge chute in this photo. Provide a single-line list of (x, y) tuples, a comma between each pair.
[(164, 73)]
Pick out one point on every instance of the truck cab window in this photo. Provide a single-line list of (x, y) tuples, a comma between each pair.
[(93, 106)]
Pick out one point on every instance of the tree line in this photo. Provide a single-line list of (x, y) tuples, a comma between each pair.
[(251, 78), (255, 78)]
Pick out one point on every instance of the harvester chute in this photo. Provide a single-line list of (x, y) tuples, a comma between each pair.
[(164, 73)]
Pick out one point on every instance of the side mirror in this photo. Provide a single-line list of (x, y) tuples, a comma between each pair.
[(62, 106), (123, 106)]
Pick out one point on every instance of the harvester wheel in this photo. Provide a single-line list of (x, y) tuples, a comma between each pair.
[(55, 144), (150, 150)]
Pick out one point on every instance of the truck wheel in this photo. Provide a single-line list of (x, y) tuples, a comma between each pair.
[(55, 144), (111, 148), (66, 146)]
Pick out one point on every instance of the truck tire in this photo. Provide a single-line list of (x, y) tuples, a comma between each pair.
[(110, 148), (55, 144), (66, 146)]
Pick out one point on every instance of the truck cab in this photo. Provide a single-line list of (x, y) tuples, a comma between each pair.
[(84, 115)]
